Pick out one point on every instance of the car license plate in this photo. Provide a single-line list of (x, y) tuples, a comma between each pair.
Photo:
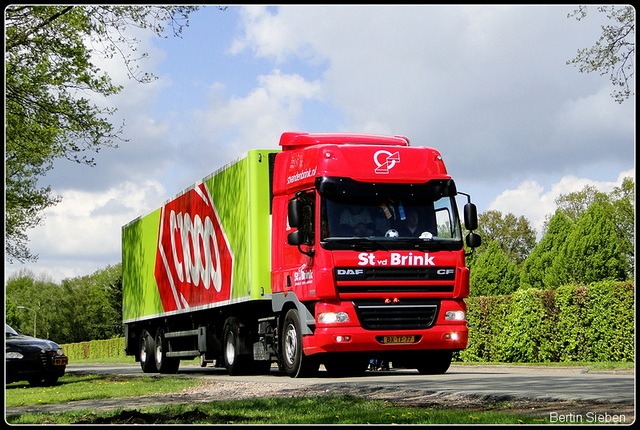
[(399, 339), (60, 361)]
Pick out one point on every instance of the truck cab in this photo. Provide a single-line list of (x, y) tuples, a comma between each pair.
[(367, 254)]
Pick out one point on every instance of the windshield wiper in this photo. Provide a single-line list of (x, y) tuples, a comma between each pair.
[(362, 243), (431, 243)]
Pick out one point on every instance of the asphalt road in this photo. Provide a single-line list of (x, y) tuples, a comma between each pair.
[(534, 382)]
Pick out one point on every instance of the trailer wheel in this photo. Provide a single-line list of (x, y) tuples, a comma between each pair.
[(296, 364), (164, 364), (435, 363), (147, 352), (233, 361)]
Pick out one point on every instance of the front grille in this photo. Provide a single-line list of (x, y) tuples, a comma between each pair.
[(395, 274), (388, 288), (407, 314), (44, 359), (395, 279)]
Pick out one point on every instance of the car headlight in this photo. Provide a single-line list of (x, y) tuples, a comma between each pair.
[(333, 317), (14, 355)]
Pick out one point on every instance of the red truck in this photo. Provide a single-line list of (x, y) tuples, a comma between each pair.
[(337, 250)]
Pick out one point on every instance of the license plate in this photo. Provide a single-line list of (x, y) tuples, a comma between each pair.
[(60, 361), (399, 339)]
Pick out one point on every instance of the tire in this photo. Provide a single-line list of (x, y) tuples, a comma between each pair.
[(147, 350), (435, 363), (164, 364), (44, 381), (233, 361), (35, 382), (51, 380), (295, 363)]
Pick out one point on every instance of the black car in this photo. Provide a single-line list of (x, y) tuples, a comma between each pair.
[(39, 361)]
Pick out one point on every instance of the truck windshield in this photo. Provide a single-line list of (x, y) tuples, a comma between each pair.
[(359, 215)]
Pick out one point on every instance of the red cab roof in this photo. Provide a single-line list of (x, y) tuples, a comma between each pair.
[(293, 140)]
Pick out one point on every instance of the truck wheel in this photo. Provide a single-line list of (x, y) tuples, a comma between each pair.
[(296, 364), (164, 364), (233, 361), (435, 363), (147, 353)]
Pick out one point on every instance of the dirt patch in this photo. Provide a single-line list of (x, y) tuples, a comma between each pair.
[(137, 417)]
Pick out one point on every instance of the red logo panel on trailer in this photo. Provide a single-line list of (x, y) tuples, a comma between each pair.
[(194, 263)]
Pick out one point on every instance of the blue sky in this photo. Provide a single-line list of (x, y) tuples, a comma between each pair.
[(486, 85)]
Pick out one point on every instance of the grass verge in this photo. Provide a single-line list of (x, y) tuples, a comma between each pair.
[(83, 387), (308, 410)]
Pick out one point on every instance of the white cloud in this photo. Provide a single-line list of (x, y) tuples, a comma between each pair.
[(257, 120), (88, 223), (487, 85), (264, 34), (82, 233), (530, 200)]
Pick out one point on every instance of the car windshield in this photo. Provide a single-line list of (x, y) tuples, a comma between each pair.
[(11, 331), (389, 216)]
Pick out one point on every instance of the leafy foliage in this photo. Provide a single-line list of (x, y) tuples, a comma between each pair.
[(493, 273), (613, 52), (49, 76), (589, 253), (572, 323), (514, 234), (79, 309), (536, 269)]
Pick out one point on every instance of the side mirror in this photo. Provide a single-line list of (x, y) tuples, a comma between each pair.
[(295, 212), (295, 238), (470, 216), (473, 240)]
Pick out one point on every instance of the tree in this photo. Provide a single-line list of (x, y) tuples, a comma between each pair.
[(622, 201), (493, 273), (536, 268), (11, 313), (613, 53), (619, 207), (79, 309), (38, 298), (514, 234), (575, 204), (589, 253), (48, 75)]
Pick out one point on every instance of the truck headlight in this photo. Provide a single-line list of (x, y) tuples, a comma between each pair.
[(333, 317), (455, 315)]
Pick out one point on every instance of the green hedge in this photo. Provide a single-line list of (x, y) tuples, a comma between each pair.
[(95, 349), (594, 323)]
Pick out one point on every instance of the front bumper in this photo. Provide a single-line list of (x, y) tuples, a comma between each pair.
[(357, 339)]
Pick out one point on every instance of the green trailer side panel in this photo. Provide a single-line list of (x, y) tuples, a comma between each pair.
[(259, 223), (241, 196), (139, 245), (228, 190)]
